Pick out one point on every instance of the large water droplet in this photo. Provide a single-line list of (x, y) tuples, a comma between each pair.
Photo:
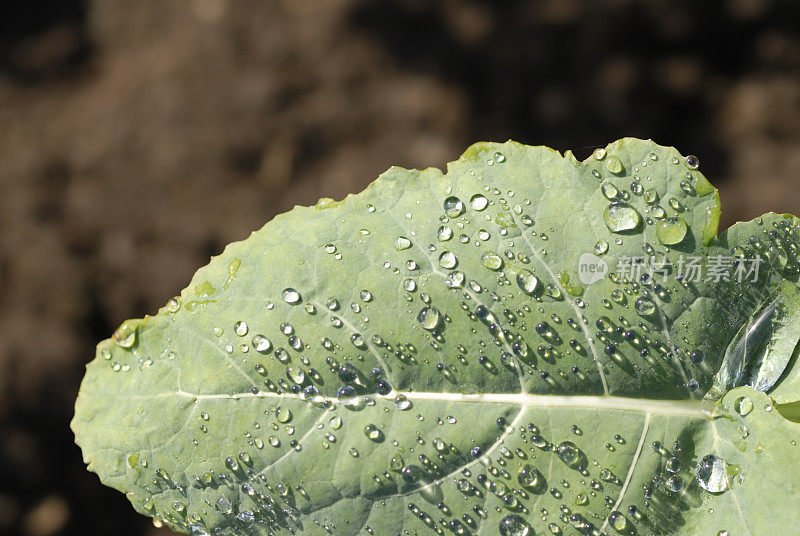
[(644, 306), (492, 261), (614, 165), (619, 522), (402, 403), (675, 484), (455, 280), (609, 191), (620, 217), (283, 415), (743, 406), (601, 247), (527, 282), (224, 505), (671, 231), (348, 396), (261, 344), (571, 455), (514, 525), (296, 374), (240, 328), (448, 260), (453, 207), (125, 335), (478, 202), (401, 242), (711, 474), (531, 479), (429, 318), (291, 296), (373, 432)]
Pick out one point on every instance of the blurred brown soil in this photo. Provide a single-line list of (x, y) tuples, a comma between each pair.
[(139, 137)]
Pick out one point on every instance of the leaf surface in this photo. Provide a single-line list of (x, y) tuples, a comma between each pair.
[(470, 352)]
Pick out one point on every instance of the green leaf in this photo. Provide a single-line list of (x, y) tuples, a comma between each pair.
[(471, 352)]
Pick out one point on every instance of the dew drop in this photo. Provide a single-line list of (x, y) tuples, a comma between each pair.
[(671, 231), (527, 282), (283, 415), (492, 261), (674, 484), (743, 406), (448, 260), (609, 191), (571, 455), (429, 318), (514, 525), (224, 505), (401, 243), (478, 202), (291, 296), (125, 335), (453, 207), (402, 403), (614, 165), (261, 344), (531, 479), (620, 217), (373, 432), (618, 522), (455, 280), (240, 328), (644, 306), (710, 474), (347, 394)]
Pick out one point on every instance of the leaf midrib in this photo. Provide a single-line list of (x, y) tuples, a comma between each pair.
[(688, 408)]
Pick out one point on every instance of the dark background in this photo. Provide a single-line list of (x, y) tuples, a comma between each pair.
[(138, 137)]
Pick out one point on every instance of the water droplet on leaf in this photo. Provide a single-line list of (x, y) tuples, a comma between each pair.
[(492, 261), (671, 231), (614, 165), (620, 217), (448, 260), (514, 525), (429, 318), (743, 406), (478, 202), (291, 296), (401, 242), (710, 474), (453, 207), (527, 282)]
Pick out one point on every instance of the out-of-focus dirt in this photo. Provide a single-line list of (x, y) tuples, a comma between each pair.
[(139, 137)]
